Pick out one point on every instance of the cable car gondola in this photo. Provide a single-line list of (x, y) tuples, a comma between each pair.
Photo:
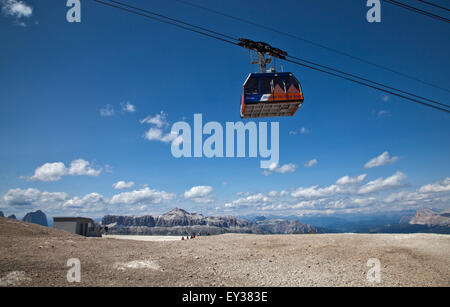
[(270, 95)]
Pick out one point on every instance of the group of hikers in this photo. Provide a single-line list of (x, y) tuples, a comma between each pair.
[(192, 236)]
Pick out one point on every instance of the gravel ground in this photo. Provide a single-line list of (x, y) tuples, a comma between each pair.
[(32, 255)]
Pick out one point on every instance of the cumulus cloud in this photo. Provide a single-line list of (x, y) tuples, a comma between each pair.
[(315, 191), (159, 120), (17, 9), (311, 163), (443, 186), (272, 193), (60, 203), (107, 111), (80, 167), (49, 172), (92, 202), (128, 107), (383, 184), (123, 185), (156, 134), (200, 194), (275, 168), (383, 159), (32, 197), (55, 171), (351, 180), (344, 184), (346, 195), (248, 201), (158, 131), (142, 197)]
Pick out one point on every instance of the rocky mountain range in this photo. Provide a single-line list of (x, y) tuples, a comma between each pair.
[(422, 221), (181, 222), (431, 218)]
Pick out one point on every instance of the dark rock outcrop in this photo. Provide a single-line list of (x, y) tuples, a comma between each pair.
[(12, 216), (1, 214), (181, 222), (37, 217), (283, 226)]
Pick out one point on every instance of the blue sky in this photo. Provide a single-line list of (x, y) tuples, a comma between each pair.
[(56, 78)]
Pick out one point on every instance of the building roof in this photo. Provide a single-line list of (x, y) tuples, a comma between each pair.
[(74, 219)]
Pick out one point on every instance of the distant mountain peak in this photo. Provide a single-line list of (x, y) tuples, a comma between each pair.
[(37, 217), (431, 218), (177, 211)]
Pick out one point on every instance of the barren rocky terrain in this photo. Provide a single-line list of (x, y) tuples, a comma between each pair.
[(32, 255)]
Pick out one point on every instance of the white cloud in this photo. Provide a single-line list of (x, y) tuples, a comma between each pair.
[(344, 184), (284, 193), (92, 202), (381, 160), (159, 120), (384, 112), (54, 171), (50, 172), (302, 130), (249, 200), (200, 194), (286, 168), (346, 195), (311, 163), (52, 203), (82, 167), (315, 191), (142, 197), (436, 187), (17, 9), (128, 107), (123, 185), (351, 180), (107, 111), (156, 134), (383, 184), (32, 197), (397, 196), (272, 193)]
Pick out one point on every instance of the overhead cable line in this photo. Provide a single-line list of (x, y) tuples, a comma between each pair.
[(314, 44), (419, 11), (367, 80), (371, 86), (165, 21), (435, 5), (228, 39)]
